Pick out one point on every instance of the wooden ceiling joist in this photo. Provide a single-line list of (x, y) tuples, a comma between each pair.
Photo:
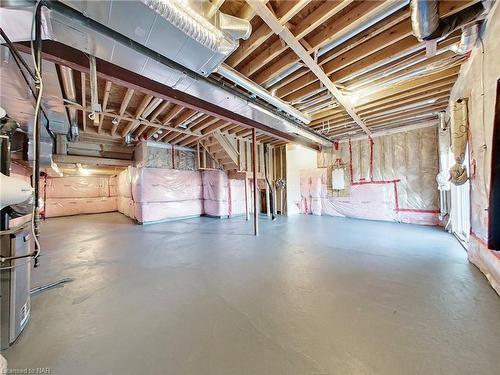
[(184, 116), (107, 90), (140, 130), (123, 108), (128, 119), (361, 12), (357, 14), (176, 109), (133, 124), (381, 41), (312, 21), (412, 84), (295, 45), (204, 123), (285, 12), (377, 79), (215, 126), (438, 94), (187, 141), (159, 110), (435, 64), (61, 54), (366, 35)]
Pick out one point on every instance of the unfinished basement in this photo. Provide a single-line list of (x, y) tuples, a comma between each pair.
[(255, 187)]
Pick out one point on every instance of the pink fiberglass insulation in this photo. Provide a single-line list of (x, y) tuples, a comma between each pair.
[(215, 185), (123, 183), (77, 206), (21, 172), (391, 177), (369, 201), (158, 194), (165, 185), (222, 196), (422, 218), (113, 189), (487, 260), (77, 187), (126, 206), (372, 200), (150, 212), (312, 189), (478, 83), (215, 193)]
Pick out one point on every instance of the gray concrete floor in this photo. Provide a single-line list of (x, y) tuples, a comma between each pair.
[(311, 295)]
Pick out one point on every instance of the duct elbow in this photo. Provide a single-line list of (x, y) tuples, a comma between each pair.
[(427, 25), (69, 89), (468, 39), (237, 28), (424, 18)]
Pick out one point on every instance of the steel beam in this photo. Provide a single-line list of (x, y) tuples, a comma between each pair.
[(61, 54)]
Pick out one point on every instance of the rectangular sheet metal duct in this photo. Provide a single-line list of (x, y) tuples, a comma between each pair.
[(71, 28)]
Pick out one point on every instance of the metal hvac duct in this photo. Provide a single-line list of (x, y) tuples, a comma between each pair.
[(194, 20), (238, 78), (427, 25), (424, 18), (193, 24), (68, 84), (468, 39), (113, 37), (234, 26), (176, 29)]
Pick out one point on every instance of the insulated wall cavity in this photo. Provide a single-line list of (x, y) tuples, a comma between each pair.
[(55, 207), (478, 83), (77, 187), (164, 156), (75, 195), (391, 177), (165, 194), (215, 193), (223, 196), (150, 195)]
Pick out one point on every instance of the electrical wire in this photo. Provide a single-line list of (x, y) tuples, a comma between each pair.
[(38, 104)]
